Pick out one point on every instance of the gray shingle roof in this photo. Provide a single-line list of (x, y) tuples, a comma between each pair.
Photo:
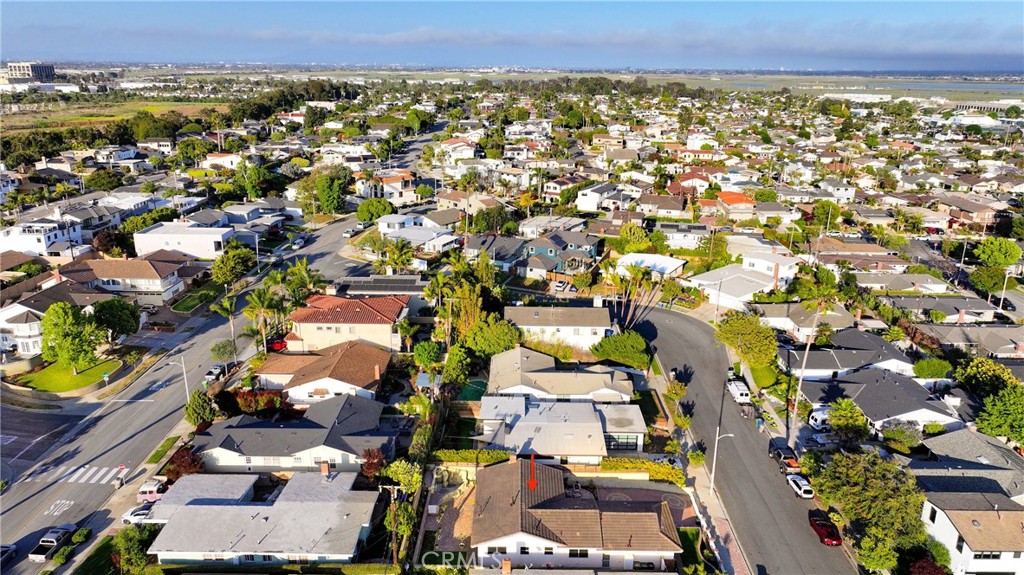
[(851, 349), (879, 393)]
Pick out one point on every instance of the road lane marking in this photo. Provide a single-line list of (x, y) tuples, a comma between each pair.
[(98, 475), (89, 474), (110, 476), (77, 473), (8, 439), (57, 473), (59, 506)]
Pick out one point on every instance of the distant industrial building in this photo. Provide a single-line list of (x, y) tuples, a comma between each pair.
[(35, 70)]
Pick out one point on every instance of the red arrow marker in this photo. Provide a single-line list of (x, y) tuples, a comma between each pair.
[(532, 483)]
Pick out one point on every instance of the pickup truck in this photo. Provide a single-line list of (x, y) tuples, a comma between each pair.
[(53, 540), (784, 456)]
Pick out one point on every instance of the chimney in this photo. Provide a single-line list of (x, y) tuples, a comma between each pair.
[(506, 566), (376, 371), (878, 265), (960, 316), (858, 314), (56, 275), (512, 458), (325, 468), (775, 277)]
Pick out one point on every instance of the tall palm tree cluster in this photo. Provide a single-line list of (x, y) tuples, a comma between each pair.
[(636, 291), (282, 292), (458, 296), (392, 256)]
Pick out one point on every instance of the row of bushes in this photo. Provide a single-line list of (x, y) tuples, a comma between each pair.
[(64, 553), (658, 471), (477, 456)]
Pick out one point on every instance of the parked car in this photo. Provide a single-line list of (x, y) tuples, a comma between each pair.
[(1007, 305), (50, 542), (135, 515), (277, 345), (7, 554), (783, 455), (297, 244), (800, 486), (348, 233), (560, 285), (151, 490), (573, 289), (148, 308), (827, 531), (216, 372), (739, 391)]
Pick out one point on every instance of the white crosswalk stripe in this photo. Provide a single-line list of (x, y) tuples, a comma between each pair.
[(109, 477), (63, 474), (89, 473), (75, 477)]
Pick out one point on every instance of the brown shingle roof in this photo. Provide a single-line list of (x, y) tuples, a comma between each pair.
[(352, 362), (113, 269), (334, 309)]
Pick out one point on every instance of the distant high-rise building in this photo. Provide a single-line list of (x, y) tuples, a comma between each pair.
[(34, 70)]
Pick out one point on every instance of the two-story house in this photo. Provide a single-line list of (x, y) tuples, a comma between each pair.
[(579, 327), (564, 253), (394, 185), (553, 189), (329, 320), (45, 237), (21, 323), (736, 206), (503, 252), (683, 236), (186, 237), (92, 219), (148, 282), (982, 531)]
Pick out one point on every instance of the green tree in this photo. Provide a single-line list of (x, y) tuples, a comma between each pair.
[(492, 336), (997, 252), (932, 368), (583, 280), (116, 317), (989, 279), (131, 545), (191, 151), (200, 408), (985, 377), (427, 354), (848, 421), (374, 208), (628, 348), (826, 213), (823, 336), (226, 309), (902, 436), (753, 341), (103, 180), (1003, 413), (262, 307), (936, 315), (456, 366), (765, 195), (876, 554), (400, 521), (69, 339), (491, 219), (232, 265), (894, 333), (424, 191), (222, 350), (407, 475)]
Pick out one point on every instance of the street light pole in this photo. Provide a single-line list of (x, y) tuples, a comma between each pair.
[(184, 375), (1002, 298), (714, 458)]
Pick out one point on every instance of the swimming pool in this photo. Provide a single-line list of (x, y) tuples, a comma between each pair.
[(474, 390)]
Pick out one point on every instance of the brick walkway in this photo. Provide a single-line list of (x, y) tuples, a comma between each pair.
[(455, 524)]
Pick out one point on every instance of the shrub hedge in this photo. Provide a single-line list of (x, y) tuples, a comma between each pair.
[(478, 456)]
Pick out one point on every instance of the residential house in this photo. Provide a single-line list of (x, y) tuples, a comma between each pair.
[(559, 432), (394, 185), (953, 309), (443, 219), (454, 150), (579, 327), (661, 267), (352, 368), (391, 223), (880, 263), (335, 431), (781, 268), (535, 227), (968, 460), (411, 285), (732, 286), (185, 237), (736, 206), (851, 351), (553, 189), (241, 213), (21, 323), (216, 160), (525, 372), (92, 219), (995, 341), (45, 237), (550, 525), (982, 531), (825, 245), (800, 322), (604, 196), (208, 218), (683, 236), (923, 283), (769, 210), (469, 204), (147, 282), (965, 212), (662, 206), (564, 253), (883, 397), (503, 252), (841, 192), (329, 320), (316, 518)]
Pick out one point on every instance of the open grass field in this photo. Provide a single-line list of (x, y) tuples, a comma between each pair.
[(77, 115), (56, 378)]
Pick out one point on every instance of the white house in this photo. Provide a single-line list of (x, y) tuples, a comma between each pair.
[(551, 526), (391, 223), (216, 160), (21, 323), (352, 367), (394, 185), (522, 371), (781, 268), (982, 531), (660, 266), (579, 327), (44, 237), (683, 236), (187, 238)]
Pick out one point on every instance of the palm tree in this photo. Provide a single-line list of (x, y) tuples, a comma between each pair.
[(226, 309), (526, 201), (400, 255), (262, 307), (304, 279), (407, 329), (436, 289), (820, 298)]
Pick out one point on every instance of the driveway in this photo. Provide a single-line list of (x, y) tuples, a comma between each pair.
[(769, 522)]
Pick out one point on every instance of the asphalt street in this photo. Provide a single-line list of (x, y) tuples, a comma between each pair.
[(768, 519)]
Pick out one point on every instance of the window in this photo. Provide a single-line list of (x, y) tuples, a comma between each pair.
[(626, 442), (524, 550), (248, 460), (987, 555), (593, 331), (931, 515), (333, 463), (296, 461), (578, 553), (249, 558), (1016, 555), (351, 329), (496, 550), (575, 331), (643, 566), (298, 559), (960, 544), (268, 558), (606, 560), (549, 551)]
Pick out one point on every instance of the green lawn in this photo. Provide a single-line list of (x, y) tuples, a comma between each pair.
[(55, 378), (198, 296), (764, 377), (98, 562), (163, 449), (656, 367), (690, 538)]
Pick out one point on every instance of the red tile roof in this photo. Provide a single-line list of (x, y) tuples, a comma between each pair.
[(734, 198), (334, 309)]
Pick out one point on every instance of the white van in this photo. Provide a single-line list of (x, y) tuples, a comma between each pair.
[(818, 419), (739, 391)]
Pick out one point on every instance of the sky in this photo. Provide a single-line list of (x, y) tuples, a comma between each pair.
[(821, 35)]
